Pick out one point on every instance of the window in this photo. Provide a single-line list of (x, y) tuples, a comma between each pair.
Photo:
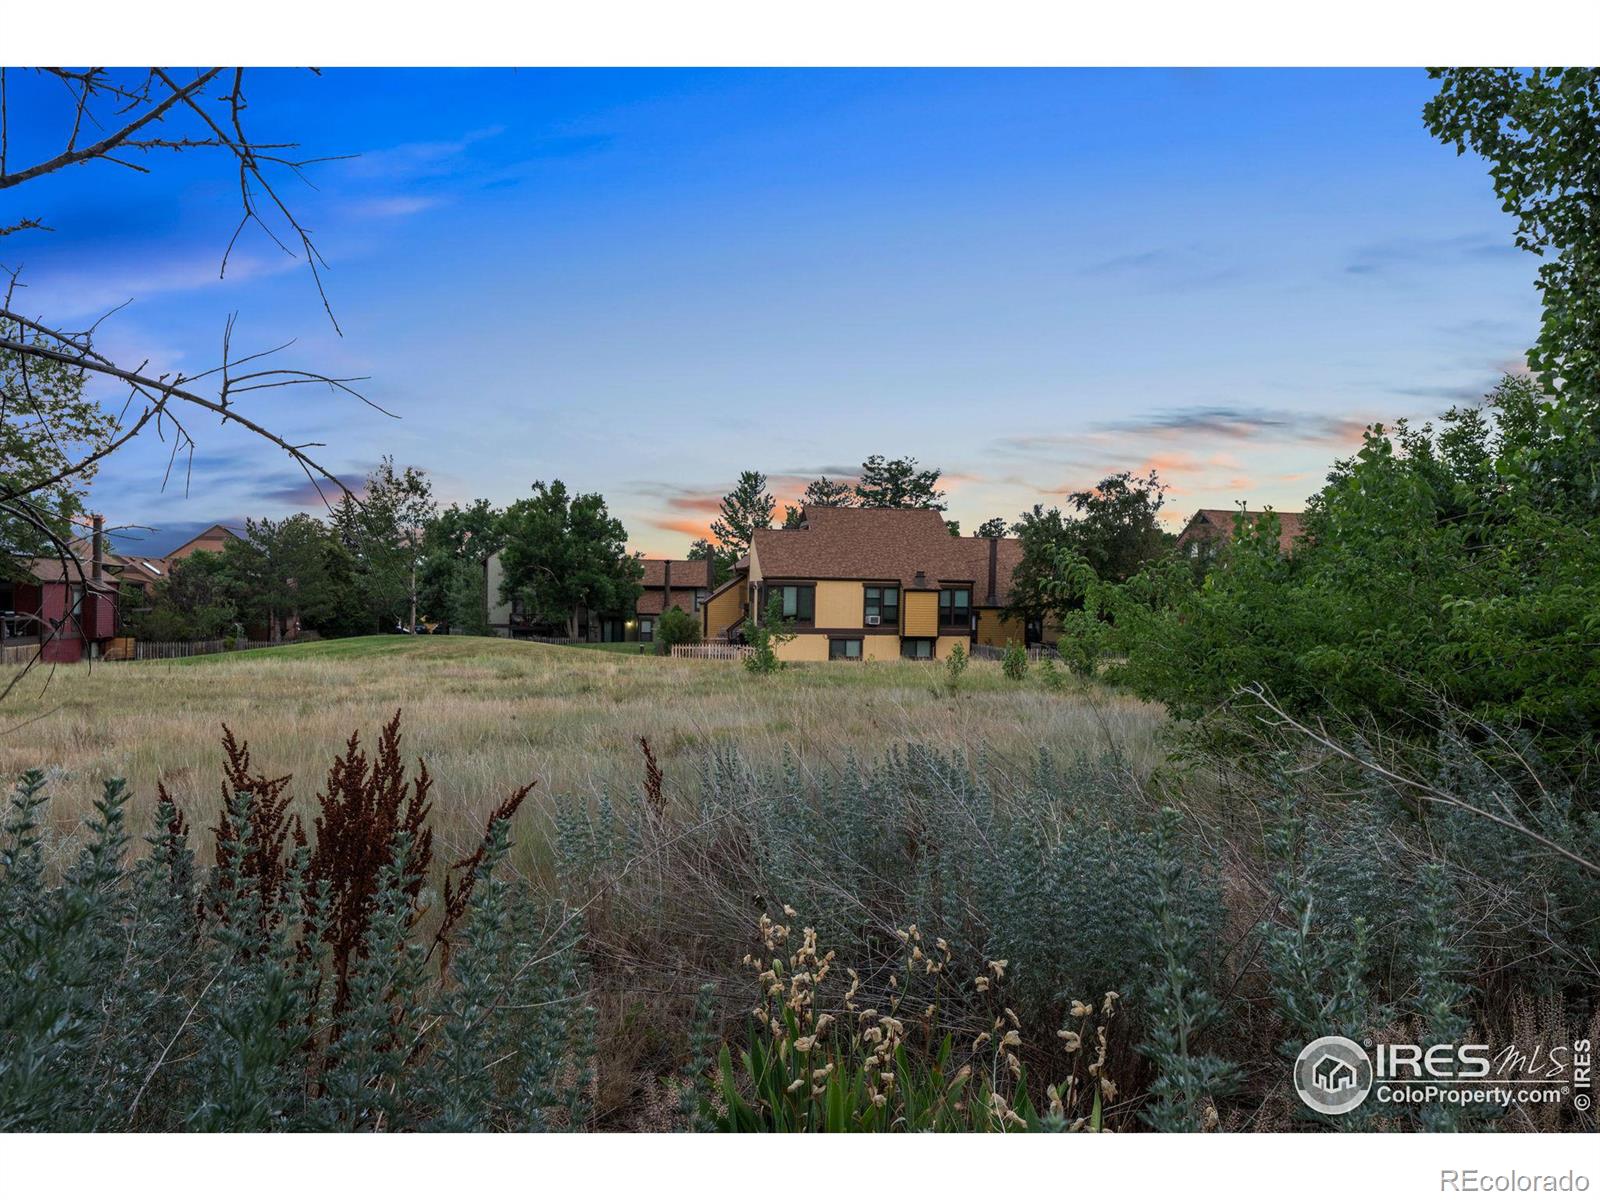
[(883, 603), (647, 629), (844, 648), (916, 647), (955, 606), (799, 601)]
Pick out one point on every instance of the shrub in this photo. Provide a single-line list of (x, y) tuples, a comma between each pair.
[(290, 986), (955, 666), (1014, 663), (765, 636), (1082, 642), (676, 628), (1459, 565)]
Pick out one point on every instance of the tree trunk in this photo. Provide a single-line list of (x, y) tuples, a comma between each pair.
[(412, 628), (572, 625)]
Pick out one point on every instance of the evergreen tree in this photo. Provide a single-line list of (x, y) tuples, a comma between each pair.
[(896, 483), (747, 508)]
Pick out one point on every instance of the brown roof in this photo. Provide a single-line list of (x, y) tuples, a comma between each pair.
[(50, 569), (1211, 524), (212, 539), (885, 544), (686, 572)]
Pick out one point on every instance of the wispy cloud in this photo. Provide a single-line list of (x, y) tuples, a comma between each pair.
[(394, 206), (1241, 424), (1396, 254)]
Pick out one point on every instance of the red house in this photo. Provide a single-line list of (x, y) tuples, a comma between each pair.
[(67, 612)]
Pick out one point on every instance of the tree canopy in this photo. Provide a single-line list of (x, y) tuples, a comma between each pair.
[(564, 553), (745, 509), (1537, 128), (897, 483)]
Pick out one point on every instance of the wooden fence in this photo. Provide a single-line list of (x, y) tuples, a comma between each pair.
[(717, 650)]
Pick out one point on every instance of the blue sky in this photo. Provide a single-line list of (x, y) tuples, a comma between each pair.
[(642, 281)]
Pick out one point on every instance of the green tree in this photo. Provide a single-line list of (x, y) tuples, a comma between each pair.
[(1457, 565), (1538, 128), (701, 550), (450, 577), (1116, 527), (281, 571), (994, 527), (384, 530), (745, 509), (1041, 582), (566, 553), (1111, 534), (195, 602), (47, 427), (896, 483)]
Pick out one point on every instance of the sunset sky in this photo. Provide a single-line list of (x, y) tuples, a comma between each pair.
[(643, 281)]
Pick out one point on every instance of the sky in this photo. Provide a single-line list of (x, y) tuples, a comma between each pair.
[(644, 281)]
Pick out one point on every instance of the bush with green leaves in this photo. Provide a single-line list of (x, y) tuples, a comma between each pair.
[(1450, 567), (955, 666), (764, 636), (676, 628), (1014, 662)]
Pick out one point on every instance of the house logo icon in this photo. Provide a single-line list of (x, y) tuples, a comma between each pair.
[(1333, 1075)]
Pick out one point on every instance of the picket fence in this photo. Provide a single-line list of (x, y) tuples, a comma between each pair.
[(716, 650)]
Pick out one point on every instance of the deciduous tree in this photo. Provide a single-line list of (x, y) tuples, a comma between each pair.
[(566, 553)]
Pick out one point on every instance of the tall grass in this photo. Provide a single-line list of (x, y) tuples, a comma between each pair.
[(770, 930)]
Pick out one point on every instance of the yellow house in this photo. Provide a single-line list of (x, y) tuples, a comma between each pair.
[(872, 584)]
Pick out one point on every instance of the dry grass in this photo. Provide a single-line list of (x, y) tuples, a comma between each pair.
[(489, 715)]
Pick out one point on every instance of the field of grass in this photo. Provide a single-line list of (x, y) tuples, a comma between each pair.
[(489, 715)]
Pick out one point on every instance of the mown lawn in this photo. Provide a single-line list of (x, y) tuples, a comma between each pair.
[(488, 715)]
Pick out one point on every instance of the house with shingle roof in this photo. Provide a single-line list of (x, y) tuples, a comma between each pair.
[(872, 583), (1211, 528), (69, 607)]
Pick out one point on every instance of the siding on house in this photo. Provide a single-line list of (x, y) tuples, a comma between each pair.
[(921, 611), (839, 604), (995, 630), (723, 609)]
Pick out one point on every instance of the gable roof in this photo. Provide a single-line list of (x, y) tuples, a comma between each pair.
[(52, 569), (1211, 524), (873, 544), (215, 535)]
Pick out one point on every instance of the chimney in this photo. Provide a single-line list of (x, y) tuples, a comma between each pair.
[(97, 564), (994, 568)]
